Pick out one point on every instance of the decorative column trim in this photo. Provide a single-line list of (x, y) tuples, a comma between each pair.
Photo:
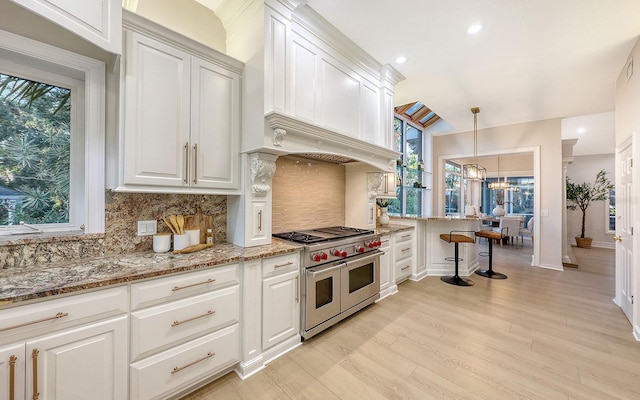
[(278, 136), (262, 167)]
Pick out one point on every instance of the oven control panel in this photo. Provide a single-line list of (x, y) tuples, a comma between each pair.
[(336, 252)]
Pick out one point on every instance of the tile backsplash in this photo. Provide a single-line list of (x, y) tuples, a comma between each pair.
[(122, 211), (307, 193)]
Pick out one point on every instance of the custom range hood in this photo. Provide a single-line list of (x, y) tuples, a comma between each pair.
[(287, 135)]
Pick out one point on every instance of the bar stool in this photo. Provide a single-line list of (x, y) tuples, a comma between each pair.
[(491, 236), (456, 238)]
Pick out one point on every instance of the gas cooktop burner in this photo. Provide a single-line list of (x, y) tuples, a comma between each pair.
[(322, 234)]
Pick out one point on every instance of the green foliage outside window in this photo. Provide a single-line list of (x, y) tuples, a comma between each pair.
[(35, 143)]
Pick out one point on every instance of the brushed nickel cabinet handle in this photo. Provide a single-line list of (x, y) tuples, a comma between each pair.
[(57, 316), (178, 369), (195, 163), (406, 236), (408, 248), (405, 268), (34, 358), (186, 163), (283, 265), (176, 323), (260, 220), (176, 288), (297, 288), (12, 377)]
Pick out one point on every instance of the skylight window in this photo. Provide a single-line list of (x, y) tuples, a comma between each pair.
[(416, 106), (426, 117)]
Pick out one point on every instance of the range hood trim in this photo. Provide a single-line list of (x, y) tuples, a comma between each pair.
[(304, 137)]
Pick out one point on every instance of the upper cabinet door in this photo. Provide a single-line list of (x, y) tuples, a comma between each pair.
[(98, 21), (215, 128), (156, 113)]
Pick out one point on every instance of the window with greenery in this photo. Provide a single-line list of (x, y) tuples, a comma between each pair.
[(518, 198), (35, 151), (452, 188), (410, 171), (611, 212), (52, 138)]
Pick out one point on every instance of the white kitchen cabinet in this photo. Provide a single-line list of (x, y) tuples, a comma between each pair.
[(280, 299), (387, 188), (403, 252), (184, 329), (180, 108), (97, 21), (78, 351), (387, 265)]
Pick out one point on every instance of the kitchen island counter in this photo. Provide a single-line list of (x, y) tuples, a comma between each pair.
[(38, 282)]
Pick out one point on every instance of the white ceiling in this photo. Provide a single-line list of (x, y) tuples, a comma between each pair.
[(533, 60)]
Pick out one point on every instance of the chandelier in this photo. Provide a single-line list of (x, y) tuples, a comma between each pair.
[(499, 184), (474, 172)]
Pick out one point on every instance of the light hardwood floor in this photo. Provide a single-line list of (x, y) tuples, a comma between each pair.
[(540, 334)]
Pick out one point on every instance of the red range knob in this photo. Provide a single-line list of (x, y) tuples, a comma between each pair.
[(316, 257), (360, 249), (325, 256), (372, 245), (343, 254), (378, 243), (336, 253)]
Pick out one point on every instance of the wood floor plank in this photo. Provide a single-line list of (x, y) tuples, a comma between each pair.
[(540, 334)]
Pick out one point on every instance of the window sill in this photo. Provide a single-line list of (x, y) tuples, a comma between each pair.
[(50, 237)]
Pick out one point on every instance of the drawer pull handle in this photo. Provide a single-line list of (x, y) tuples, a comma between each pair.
[(186, 163), (405, 268), (195, 163), (178, 369), (176, 323), (57, 316), (176, 288), (406, 236), (34, 357), (12, 377), (260, 221), (297, 288), (407, 249), (283, 265)]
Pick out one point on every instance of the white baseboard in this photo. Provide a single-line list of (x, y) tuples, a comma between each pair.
[(553, 267)]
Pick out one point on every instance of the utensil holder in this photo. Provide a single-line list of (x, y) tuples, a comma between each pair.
[(180, 241), (161, 242), (194, 236)]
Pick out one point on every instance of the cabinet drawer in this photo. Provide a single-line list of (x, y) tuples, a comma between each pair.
[(179, 286), (168, 372), (167, 324), (46, 316), (403, 269), (404, 236), (403, 250), (280, 264)]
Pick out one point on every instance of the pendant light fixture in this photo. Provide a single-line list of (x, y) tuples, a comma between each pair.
[(474, 172), (499, 184)]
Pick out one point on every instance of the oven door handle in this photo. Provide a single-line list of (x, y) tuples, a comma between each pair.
[(365, 259), (317, 272)]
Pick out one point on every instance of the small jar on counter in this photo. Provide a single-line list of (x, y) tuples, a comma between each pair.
[(209, 237)]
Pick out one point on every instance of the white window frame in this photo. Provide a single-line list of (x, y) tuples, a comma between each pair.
[(61, 67), (607, 205)]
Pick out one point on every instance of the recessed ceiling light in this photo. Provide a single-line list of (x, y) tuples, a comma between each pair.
[(475, 28), (581, 130), (401, 60)]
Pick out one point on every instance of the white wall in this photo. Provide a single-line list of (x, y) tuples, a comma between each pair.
[(187, 17), (546, 135), (584, 169), (628, 126)]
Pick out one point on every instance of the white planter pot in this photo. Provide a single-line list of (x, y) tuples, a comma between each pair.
[(498, 211)]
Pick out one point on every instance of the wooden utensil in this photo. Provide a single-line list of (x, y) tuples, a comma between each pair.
[(180, 220), (194, 248), (174, 222), (169, 225)]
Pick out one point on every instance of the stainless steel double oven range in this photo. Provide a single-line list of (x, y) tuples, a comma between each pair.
[(341, 274)]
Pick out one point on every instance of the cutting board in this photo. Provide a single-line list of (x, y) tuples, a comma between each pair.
[(199, 221)]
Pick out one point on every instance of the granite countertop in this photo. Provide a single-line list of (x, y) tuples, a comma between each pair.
[(439, 218), (390, 228), (21, 284)]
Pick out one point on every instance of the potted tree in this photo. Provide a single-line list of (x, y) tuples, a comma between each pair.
[(581, 195)]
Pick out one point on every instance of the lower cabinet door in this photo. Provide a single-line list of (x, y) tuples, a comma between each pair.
[(280, 308), (166, 373), (86, 362), (12, 368)]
